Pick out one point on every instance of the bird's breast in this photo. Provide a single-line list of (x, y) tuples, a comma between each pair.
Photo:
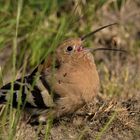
[(78, 81)]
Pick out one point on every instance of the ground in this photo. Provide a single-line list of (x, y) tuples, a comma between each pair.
[(101, 119)]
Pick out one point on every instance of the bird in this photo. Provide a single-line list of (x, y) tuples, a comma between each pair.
[(61, 84)]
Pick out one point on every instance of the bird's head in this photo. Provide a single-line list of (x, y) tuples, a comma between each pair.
[(70, 50), (73, 49)]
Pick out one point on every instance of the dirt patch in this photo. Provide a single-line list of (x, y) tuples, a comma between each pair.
[(101, 119)]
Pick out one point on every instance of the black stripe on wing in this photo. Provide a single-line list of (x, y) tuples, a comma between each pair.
[(9, 85), (55, 95), (7, 88), (38, 100), (19, 88)]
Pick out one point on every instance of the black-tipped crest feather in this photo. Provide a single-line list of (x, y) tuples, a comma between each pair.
[(95, 31)]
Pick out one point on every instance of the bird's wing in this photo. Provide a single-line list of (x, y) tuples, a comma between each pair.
[(23, 92), (29, 92), (32, 91)]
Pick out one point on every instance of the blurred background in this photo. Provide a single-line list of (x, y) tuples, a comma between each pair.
[(30, 29)]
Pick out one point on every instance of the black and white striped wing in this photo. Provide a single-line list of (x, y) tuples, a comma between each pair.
[(30, 94)]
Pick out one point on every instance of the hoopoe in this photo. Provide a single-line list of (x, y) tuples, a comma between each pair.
[(73, 82)]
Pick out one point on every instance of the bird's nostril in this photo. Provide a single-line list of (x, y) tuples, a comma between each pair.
[(80, 49)]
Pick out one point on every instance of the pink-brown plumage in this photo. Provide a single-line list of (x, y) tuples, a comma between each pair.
[(76, 80)]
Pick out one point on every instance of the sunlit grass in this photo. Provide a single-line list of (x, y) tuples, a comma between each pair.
[(106, 126)]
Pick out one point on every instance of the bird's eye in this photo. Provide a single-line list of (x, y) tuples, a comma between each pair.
[(69, 48)]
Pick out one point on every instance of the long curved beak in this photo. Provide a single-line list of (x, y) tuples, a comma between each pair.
[(106, 49), (95, 31), (99, 49)]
